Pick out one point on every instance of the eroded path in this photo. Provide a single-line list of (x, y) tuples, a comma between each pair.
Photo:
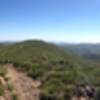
[(25, 87)]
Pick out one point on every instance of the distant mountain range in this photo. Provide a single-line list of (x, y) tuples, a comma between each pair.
[(90, 51)]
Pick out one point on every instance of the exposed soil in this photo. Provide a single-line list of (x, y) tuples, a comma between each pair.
[(25, 87)]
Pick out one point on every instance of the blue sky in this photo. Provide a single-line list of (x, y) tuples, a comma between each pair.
[(50, 20)]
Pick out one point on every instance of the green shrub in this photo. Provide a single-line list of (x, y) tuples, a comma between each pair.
[(35, 71), (14, 97), (1, 90), (97, 96), (10, 87), (53, 88), (3, 71)]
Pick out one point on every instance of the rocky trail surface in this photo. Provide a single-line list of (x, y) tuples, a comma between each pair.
[(24, 87)]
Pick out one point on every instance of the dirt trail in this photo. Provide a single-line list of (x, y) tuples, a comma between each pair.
[(25, 87)]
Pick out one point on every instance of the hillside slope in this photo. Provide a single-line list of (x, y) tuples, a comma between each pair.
[(31, 51), (57, 70)]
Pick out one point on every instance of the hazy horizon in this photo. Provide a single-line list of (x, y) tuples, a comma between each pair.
[(54, 42), (73, 21)]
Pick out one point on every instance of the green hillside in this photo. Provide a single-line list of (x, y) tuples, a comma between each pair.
[(30, 51), (57, 70)]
